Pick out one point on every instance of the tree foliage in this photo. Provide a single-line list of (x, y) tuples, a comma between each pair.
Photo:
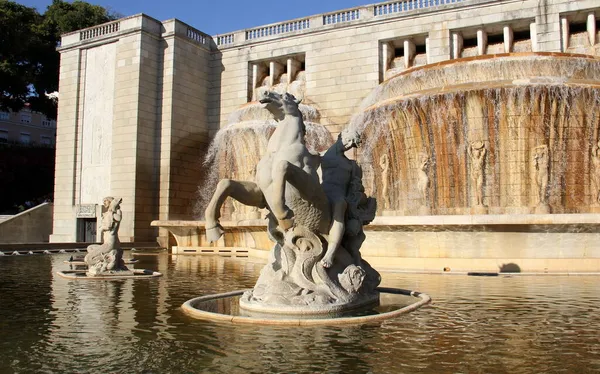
[(29, 62)]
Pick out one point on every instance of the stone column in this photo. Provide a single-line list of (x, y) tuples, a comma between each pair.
[(275, 70), (508, 39), (564, 32), (481, 42), (409, 53), (457, 45), (534, 38), (591, 28)]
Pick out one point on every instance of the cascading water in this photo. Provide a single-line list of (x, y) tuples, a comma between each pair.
[(237, 148), (491, 134)]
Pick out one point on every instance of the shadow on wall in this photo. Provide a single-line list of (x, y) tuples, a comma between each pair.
[(510, 268)]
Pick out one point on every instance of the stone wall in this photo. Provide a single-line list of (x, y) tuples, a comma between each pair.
[(31, 226), (345, 61), (174, 87)]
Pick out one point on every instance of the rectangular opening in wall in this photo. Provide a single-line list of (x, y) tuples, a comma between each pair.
[(522, 41), (578, 37), (420, 55), (469, 47), (495, 43), (287, 75)]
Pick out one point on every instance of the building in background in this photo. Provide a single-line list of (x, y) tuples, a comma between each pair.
[(27, 127)]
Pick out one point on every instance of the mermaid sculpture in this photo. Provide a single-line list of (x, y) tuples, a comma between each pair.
[(107, 258)]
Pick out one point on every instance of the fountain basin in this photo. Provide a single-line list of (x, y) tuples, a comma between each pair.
[(137, 274), (525, 243), (82, 263), (190, 307)]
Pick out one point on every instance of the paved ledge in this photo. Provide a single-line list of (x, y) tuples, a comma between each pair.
[(437, 220), (68, 246)]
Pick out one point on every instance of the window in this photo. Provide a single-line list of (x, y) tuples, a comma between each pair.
[(4, 116), (26, 117), (46, 140), (25, 138), (47, 123), (3, 136)]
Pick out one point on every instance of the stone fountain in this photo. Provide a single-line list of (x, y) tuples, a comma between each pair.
[(315, 265), (477, 163), (105, 261)]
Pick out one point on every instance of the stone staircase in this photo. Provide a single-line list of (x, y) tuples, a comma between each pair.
[(4, 217)]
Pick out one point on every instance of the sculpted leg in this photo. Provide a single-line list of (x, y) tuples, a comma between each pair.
[(246, 193), (336, 233), (301, 180)]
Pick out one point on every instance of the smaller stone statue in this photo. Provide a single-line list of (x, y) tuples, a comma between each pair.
[(107, 258), (477, 153), (596, 174), (541, 163), (423, 182), (384, 163)]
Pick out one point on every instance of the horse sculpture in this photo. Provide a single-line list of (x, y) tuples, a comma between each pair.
[(287, 183), (300, 222)]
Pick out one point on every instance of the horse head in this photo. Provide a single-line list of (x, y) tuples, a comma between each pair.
[(280, 105)]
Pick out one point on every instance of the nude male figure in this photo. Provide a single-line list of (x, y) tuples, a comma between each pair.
[(337, 174), (477, 152)]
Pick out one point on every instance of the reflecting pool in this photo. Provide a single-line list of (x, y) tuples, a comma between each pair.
[(516, 324)]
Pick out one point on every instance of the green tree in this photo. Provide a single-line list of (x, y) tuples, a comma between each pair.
[(29, 62), (62, 17)]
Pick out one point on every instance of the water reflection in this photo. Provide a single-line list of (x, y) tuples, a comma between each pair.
[(476, 324)]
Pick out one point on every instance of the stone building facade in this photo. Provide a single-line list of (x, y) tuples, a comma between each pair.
[(27, 127), (140, 99)]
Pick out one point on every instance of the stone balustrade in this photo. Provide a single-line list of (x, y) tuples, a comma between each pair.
[(224, 39), (197, 36), (340, 17), (107, 28), (352, 15), (278, 28), (407, 5)]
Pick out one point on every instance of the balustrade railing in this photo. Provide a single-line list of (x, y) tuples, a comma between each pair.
[(281, 28), (90, 33), (406, 5), (225, 39), (197, 36), (339, 17)]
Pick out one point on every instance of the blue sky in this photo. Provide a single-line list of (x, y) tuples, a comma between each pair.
[(219, 16)]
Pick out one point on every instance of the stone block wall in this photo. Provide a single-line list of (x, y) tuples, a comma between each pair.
[(174, 87), (31, 226)]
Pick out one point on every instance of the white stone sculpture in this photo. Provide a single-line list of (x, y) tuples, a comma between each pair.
[(541, 163), (107, 258), (423, 182), (595, 172), (305, 218), (384, 163), (477, 153)]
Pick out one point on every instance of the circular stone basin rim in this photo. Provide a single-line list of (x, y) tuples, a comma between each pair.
[(137, 274), (188, 308)]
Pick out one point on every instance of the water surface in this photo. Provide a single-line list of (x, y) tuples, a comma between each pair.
[(520, 324)]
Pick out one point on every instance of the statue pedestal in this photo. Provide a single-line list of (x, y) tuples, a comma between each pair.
[(255, 308), (295, 281)]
